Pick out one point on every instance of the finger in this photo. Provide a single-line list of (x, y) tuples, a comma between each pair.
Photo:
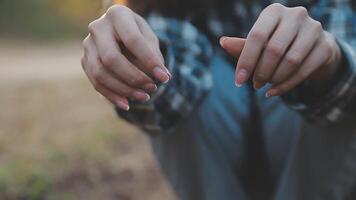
[(113, 60), (132, 59), (129, 33), (233, 45), (276, 47), (258, 36), (85, 55), (104, 78), (87, 62), (149, 35), (120, 102), (301, 47), (314, 61)]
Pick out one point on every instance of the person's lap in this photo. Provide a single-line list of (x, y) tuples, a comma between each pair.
[(202, 156)]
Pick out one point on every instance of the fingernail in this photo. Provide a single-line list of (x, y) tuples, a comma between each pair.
[(241, 76), (150, 87), (142, 96), (257, 85), (271, 93), (161, 75), (238, 85), (122, 105), (169, 73), (268, 95), (222, 39)]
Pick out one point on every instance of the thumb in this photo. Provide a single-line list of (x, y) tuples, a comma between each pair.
[(233, 45)]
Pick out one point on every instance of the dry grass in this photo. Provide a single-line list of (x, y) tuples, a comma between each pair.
[(59, 139)]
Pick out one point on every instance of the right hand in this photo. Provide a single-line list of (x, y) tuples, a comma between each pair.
[(121, 54)]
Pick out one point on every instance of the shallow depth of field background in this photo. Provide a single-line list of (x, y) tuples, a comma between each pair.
[(58, 138)]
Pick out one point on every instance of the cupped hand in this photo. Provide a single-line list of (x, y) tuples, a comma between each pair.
[(284, 47), (122, 57)]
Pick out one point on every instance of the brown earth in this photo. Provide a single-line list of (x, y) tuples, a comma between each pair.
[(59, 139)]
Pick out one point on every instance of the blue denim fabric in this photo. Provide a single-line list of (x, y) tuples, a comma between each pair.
[(190, 44), (202, 158)]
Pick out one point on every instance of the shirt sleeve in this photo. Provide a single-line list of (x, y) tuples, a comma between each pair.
[(187, 55), (338, 101)]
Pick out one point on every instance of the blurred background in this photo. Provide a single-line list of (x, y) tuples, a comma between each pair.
[(58, 138)]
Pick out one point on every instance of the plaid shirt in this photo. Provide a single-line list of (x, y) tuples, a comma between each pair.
[(189, 49)]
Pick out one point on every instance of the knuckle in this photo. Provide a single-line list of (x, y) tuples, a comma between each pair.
[(108, 59), (275, 50), (117, 9), (301, 12), (277, 6), (293, 59), (93, 26), (317, 26), (258, 35)]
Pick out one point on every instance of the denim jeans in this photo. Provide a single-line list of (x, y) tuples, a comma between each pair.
[(202, 157)]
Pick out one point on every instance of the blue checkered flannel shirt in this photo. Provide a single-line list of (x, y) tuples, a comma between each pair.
[(189, 47)]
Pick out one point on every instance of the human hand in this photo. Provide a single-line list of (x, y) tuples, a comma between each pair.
[(121, 54), (284, 47)]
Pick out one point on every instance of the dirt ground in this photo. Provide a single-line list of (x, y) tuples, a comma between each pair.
[(59, 139)]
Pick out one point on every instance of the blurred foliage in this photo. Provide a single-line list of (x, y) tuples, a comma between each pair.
[(20, 179), (83, 162), (46, 19)]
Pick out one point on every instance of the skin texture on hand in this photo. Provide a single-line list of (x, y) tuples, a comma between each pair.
[(122, 57), (284, 47)]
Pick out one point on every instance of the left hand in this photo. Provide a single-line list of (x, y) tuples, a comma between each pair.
[(284, 47)]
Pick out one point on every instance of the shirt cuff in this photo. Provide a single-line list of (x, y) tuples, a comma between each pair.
[(330, 104)]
